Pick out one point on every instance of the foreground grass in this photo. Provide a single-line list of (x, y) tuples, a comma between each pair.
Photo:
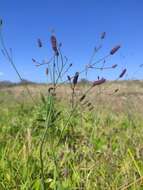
[(98, 150)]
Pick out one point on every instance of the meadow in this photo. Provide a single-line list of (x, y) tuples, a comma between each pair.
[(71, 134), (89, 149)]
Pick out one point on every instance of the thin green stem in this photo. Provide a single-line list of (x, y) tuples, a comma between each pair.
[(14, 66), (47, 123)]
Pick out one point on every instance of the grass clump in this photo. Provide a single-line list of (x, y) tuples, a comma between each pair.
[(97, 153)]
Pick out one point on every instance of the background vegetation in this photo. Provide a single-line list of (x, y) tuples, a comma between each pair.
[(100, 149)]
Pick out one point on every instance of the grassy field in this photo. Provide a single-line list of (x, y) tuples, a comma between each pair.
[(86, 150)]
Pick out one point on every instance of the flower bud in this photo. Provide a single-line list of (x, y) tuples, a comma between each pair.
[(115, 49), (98, 82)]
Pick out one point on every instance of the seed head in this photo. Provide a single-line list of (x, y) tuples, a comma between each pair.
[(98, 82), (69, 78), (122, 73), (103, 34), (1, 22), (114, 66), (115, 49), (39, 43), (47, 71), (116, 90), (54, 44), (82, 98), (34, 61), (75, 79)]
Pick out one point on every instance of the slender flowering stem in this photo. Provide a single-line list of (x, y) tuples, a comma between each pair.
[(40, 64), (84, 70), (47, 124), (13, 65)]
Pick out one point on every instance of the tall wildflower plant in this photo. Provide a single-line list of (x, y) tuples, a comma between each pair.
[(57, 69)]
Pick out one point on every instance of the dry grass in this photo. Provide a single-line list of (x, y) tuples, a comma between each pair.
[(103, 96)]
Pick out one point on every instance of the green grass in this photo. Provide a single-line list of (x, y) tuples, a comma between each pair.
[(99, 150)]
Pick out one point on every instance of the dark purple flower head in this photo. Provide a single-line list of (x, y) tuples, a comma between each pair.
[(115, 49), (122, 73), (39, 43), (82, 97), (69, 78), (47, 71), (54, 45), (98, 82), (114, 66), (1, 22), (75, 79), (103, 34), (34, 61)]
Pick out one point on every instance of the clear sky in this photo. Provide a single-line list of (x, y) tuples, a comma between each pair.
[(78, 24)]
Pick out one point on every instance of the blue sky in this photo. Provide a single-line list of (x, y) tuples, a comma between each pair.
[(78, 24)]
